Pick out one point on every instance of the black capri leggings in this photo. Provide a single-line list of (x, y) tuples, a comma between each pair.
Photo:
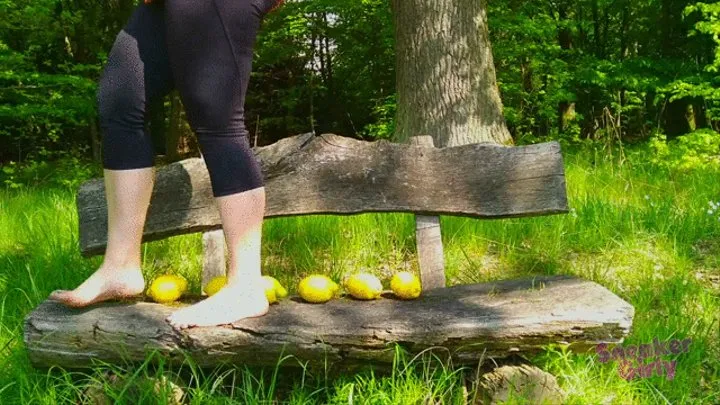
[(204, 49)]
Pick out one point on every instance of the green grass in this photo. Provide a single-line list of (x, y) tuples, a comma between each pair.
[(643, 232)]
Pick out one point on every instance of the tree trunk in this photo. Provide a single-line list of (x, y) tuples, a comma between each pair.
[(526, 73), (699, 113), (95, 141), (542, 124), (597, 30), (566, 109), (622, 94), (175, 132), (445, 74), (678, 118)]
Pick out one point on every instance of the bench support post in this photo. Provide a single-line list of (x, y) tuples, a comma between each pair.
[(214, 256), (429, 238)]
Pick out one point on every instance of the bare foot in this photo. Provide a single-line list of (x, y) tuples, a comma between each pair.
[(104, 284), (232, 303)]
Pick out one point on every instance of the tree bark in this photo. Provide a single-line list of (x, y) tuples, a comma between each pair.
[(446, 82)]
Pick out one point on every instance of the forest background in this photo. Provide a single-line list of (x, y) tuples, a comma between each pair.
[(601, 70), (629, 88)]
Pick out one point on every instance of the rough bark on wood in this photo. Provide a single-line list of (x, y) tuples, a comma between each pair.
[(430, 252), (429, 238), (213, 256), (468, 322), (330, 174), (446, 84)]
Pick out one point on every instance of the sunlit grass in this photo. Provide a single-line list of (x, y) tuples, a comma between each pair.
[(648, 235)]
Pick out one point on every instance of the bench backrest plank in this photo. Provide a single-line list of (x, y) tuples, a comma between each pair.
[(330, 174)]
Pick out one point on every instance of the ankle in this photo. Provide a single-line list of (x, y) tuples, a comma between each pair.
[(129, 266), (244, 285), (244, 278)]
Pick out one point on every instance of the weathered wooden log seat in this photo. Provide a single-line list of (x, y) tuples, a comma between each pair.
[(329, 174), (468, 321)]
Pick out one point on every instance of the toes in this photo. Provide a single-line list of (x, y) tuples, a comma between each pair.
[(176, 323), (179, 326), (65, 297), (57, 294)]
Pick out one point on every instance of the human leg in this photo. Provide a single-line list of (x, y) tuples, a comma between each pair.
[(137, 70), (210, 45)]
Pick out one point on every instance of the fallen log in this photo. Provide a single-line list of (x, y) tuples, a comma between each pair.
[(331, 174), (468, 322)]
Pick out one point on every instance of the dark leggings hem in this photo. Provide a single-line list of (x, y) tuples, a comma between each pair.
[(235, 191), (130, 167)]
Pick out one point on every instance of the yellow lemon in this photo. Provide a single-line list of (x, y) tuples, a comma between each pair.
[(280, 291), (269, 288), (215, 285), (406, 285), (182, 282), (364, 286), (167, 288), (317, 288)]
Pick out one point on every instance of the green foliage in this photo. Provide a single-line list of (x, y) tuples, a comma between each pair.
[(709, 24), (531, 72), (577, 69), (587, 70), (323, 65), (697, 150), (702, 85), (67, 169), (40, 111), (384, 115), (51, 53)]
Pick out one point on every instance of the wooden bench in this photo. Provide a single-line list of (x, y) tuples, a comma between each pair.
[(329, 174)]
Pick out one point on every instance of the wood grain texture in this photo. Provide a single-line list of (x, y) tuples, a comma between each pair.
[(214, 263), (330, 174), (428, 237), (497, 318), (431, 259)]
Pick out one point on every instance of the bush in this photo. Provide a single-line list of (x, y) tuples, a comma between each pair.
[(697, 150), (66, 169)]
